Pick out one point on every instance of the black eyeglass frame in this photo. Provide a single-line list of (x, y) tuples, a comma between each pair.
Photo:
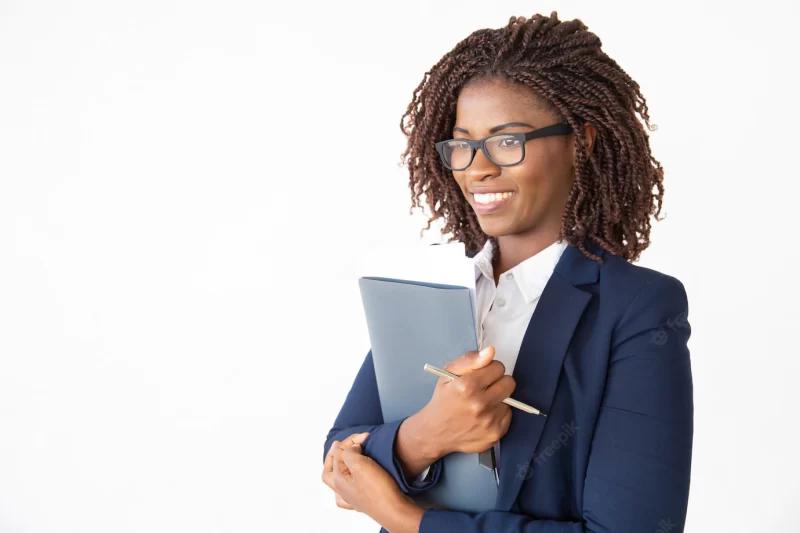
[(562, 128)]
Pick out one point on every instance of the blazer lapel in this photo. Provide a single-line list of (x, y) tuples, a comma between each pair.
[(539, 363)]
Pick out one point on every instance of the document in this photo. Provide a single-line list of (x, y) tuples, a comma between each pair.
[(419, 318)]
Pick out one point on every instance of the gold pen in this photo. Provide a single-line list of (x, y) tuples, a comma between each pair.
[(508, 401)]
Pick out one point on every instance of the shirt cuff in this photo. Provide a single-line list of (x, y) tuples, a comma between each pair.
[(423, 476), (379, 445)]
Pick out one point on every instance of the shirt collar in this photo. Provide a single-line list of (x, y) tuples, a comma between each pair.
[(530, 275), (483, 262)]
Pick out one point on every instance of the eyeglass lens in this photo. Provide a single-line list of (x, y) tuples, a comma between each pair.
[(503, 150)]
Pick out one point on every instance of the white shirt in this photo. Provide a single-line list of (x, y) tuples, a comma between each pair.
[(504, 310)]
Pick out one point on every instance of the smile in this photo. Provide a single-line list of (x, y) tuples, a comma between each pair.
[(484, 203), (491, 198)]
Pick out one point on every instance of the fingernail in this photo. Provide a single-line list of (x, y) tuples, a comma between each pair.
[(484, 352)]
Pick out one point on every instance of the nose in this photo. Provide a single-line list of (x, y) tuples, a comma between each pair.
[(481, 168)]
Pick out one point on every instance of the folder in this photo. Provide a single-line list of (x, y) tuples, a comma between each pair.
[(411, 323)]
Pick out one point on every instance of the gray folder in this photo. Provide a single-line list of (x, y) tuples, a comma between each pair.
[(412, 323)]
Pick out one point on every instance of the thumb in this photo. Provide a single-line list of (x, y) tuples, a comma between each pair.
[(352, 458), (360, 438), (470, 361)]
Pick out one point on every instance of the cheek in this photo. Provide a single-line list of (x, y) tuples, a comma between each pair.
[(530, 178), (539, 175)]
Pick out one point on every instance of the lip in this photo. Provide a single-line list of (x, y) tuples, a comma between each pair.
[(486, 190), (483, 209)]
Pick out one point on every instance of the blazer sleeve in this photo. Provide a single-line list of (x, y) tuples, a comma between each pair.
[(639, 467), (360, 413)]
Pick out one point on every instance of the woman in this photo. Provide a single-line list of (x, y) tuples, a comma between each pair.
[(526, 141)]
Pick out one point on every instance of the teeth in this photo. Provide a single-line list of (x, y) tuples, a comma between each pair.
[(492, 197)]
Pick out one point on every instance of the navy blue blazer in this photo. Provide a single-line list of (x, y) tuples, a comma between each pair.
[(605, 356)]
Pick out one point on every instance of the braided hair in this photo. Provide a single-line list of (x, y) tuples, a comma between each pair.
[(612, 196)]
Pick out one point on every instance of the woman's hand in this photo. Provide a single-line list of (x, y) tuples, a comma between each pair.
[(468, 414), (327, 469), (369, 489)]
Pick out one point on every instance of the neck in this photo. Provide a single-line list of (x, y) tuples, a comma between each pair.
[(514, 249)]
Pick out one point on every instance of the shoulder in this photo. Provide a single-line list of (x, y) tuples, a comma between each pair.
[(644, 298), (618, 274)]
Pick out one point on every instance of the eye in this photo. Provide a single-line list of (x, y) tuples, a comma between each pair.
[(458, 145), (509, 142)]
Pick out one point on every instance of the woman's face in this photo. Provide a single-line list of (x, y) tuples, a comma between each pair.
[(539, 185)]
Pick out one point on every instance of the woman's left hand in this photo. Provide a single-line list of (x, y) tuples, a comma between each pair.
[(366, 486), (327, 469)]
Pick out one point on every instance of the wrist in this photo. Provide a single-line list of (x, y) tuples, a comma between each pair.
[(422, 435), (404, 517)]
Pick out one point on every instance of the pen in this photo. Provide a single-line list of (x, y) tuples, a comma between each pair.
[(508, 401)]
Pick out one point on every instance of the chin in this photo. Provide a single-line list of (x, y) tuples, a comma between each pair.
[(496, 227)]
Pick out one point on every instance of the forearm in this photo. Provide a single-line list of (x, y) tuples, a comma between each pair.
[(405, 518), (361, 412), (414, 448)]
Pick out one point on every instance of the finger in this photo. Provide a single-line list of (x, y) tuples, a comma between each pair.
[(355, 438), (502, 415), (359, 438), (487, 376), (505, 421), (343, 504), (469, 361), (340, 468), (327, 478), (500, 389), (352, 458), (328, 466)]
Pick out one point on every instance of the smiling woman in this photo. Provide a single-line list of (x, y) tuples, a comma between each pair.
[(527, 141), (528, 76), (538, 175)]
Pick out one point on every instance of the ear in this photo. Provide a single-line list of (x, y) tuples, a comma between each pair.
[(590, 134)]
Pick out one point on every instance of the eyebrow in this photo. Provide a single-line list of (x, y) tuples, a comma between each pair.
[(497, 128)]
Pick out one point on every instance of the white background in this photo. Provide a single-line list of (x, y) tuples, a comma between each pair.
[(185, 188)]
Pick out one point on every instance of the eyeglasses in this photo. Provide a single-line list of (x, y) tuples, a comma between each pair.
[(502, 149)]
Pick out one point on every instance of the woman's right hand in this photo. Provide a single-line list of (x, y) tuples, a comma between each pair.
[(468, 414)]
